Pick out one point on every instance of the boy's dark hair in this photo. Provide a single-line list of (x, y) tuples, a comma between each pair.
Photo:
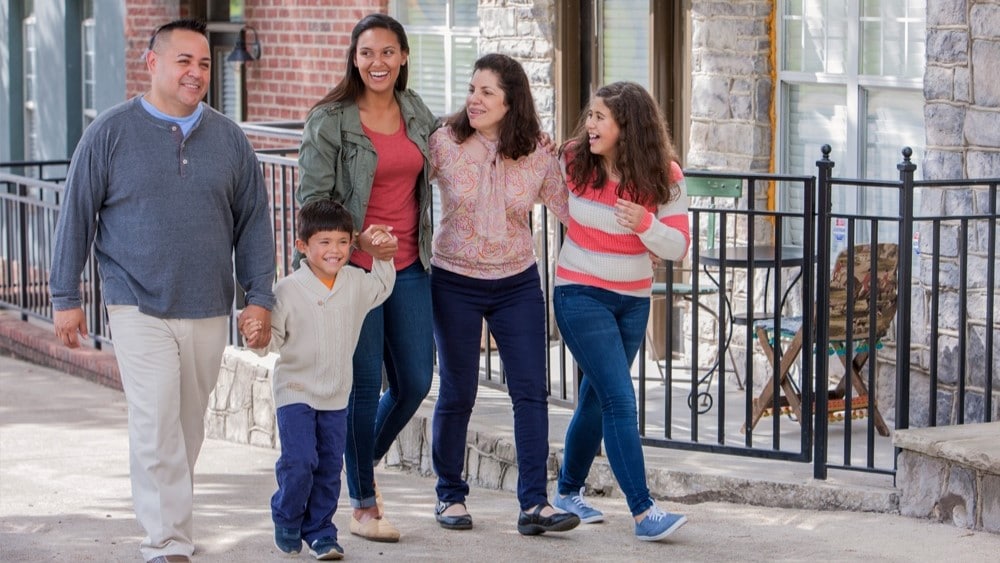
[(323, 215), (196, 26)]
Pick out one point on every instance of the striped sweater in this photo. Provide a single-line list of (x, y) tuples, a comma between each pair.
[(601, 253)]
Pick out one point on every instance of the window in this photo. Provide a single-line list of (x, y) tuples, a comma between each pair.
[(31, 146), (624, 41), (227, 89), (88, 59), (851, 76), (603, 41), (443, 45)]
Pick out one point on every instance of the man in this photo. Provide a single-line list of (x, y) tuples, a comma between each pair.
[(174, 194)]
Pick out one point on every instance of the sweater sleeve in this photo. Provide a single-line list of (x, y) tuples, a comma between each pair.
[(669, 236), (380, 282), (86, 186), (253, 239)]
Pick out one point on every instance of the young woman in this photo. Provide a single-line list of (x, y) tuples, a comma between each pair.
[(491, 172), (365, 146), (627, 200)]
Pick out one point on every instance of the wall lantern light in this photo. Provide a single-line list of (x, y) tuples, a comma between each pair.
[(245, 51)]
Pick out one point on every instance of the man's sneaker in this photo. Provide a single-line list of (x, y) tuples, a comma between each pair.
[(658, 524), (288, 540), (326, 549), (574, 504)]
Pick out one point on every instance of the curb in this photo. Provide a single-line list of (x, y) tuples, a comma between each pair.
[(490, 457)]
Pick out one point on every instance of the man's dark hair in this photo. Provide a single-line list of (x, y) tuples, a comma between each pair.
[(196, 26), (323, 215)]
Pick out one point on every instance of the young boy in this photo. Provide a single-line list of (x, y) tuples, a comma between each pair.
[(315, 326)]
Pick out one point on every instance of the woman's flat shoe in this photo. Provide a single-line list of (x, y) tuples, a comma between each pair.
[(534, 523), (376, 529), (460, 522)]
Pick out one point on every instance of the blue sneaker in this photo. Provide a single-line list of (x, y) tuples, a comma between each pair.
[(574, 504), (326, 549), (288, 540), (658, 524)]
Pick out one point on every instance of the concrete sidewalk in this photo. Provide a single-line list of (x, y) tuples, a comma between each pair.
[(64, 495)]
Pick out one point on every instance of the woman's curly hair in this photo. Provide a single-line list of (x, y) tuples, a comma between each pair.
[(643, 153)]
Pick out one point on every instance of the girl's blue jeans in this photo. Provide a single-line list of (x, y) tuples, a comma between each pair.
[(397, 334), (603, 330)]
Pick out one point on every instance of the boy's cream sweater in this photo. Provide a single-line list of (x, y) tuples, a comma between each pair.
[(315, 331)]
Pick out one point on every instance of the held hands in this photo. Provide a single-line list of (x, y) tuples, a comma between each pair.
[(255, 326), (69, 326), (378, 241), (629, 214)]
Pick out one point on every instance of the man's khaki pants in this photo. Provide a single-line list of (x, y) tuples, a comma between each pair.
[(168, 369)]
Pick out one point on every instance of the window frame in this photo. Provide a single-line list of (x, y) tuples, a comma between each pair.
[(29, 31), (857, 87), (448, 32)]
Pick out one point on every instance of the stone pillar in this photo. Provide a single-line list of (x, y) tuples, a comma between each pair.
[(731, 101), (962, 120), (525, 30)]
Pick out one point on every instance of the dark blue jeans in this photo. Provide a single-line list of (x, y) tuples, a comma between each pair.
[(398, 335), (515, 312), (308, 470), (603, 330)]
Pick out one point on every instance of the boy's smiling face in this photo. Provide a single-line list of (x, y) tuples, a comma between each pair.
[(326, 252)]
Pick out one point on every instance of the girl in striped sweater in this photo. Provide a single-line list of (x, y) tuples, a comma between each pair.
[(627, 200)]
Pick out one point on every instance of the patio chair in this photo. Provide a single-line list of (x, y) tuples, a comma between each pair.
[(883, 269), (715, 189)]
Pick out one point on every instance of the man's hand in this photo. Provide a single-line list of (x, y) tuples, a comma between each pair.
[(255, 324), (70, 325)]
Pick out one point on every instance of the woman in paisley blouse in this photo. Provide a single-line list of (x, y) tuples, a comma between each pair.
[(491, 172)]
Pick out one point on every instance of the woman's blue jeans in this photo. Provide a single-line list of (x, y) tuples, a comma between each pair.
[(603, 330), (397, 334), (515, 312)]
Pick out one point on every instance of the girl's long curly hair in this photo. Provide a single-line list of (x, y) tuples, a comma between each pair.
[(520, 127), (643, 153)]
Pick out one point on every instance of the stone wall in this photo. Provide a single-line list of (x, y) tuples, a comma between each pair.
[(951, 474), (962, 119), (732, 94), (525, 30)]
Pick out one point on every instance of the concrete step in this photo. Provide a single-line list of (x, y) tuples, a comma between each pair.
[(951, 474)]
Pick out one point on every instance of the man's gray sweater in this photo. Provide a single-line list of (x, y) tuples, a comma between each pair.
[(170, 213)]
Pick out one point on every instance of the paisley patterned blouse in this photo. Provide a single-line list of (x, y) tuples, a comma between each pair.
[(486, 200)]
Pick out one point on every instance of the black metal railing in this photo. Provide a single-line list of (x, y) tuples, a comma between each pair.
[(934, 367)]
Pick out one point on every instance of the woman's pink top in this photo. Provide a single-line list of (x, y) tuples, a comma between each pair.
[(601, 253), (486, 199), (393, 198)]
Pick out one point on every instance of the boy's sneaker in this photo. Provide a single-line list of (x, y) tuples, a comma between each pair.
[(288, 540), (574, 504), (658, 524), (326, 549)]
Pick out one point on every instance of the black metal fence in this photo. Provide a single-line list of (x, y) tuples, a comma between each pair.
[(756, 277)]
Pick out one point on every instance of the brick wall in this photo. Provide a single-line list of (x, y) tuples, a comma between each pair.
[(304, 53), (304, 49)]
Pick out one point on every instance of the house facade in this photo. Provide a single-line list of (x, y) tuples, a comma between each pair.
[(747, 85)]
